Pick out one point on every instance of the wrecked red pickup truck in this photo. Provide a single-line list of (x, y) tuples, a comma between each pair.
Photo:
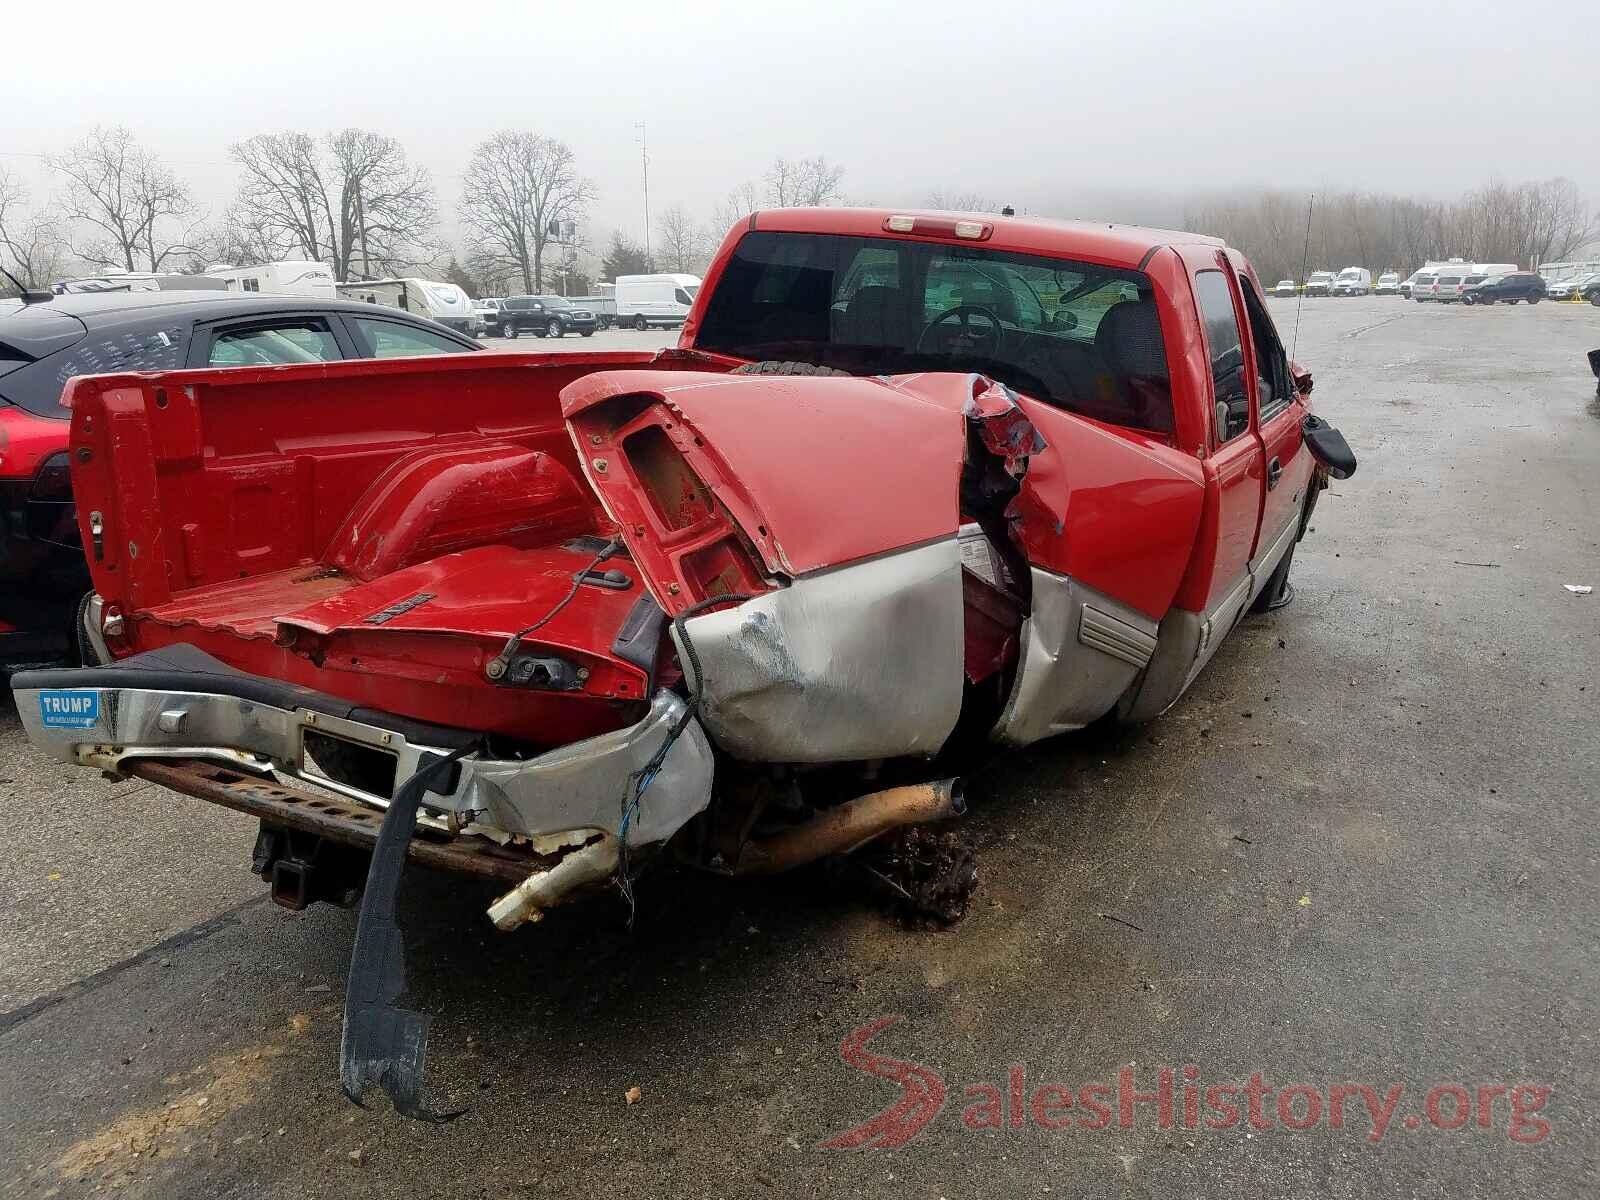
[(907, 480)]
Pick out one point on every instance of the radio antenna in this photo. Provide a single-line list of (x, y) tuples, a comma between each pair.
[(1305, 257)]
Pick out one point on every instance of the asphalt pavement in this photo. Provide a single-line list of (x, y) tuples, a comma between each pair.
[(1357, 860)]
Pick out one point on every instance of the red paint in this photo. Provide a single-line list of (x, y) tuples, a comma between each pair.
[(26, 441), (833, 469)]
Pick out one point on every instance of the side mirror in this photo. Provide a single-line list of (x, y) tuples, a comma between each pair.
[(1328, 447)]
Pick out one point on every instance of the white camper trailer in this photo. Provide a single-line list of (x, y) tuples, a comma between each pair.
[(646, 300), (442, 302), (279, 279)]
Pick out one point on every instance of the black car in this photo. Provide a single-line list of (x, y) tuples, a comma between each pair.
[(1508, 289), (43, 345), (545, 316)]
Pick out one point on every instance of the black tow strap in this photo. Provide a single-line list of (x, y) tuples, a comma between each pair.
[(384, 1044)]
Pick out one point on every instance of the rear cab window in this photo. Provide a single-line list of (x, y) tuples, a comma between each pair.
[(1079, 336)]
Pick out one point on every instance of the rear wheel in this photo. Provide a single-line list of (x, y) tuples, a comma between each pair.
[(587, 332), (1534, 299), (1469, 298), (640, 323)]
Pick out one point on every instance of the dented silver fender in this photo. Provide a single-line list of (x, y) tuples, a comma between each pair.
[(856, 662)]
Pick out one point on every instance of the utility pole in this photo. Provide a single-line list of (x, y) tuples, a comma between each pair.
[(644, 155), (361, 228)]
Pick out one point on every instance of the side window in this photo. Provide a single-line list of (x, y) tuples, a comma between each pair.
[(681, 296), (302, 341), (1272, 365), (1227, 354), (390, 339)]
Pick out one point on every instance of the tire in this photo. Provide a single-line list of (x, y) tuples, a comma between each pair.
[(1534, 299), (587, 332), (775, 367), (640, 324), (555, 329), (1469, 299), (510, 332), (1594, 299)]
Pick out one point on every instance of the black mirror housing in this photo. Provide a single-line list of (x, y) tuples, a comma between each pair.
[(1328, 447)]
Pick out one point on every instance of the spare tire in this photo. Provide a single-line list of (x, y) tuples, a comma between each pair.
[(774, 367)]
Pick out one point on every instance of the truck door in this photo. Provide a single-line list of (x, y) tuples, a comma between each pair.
[(1236, 453), (1279, 413)]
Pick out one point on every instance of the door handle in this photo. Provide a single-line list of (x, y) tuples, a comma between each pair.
[(1274, 473)]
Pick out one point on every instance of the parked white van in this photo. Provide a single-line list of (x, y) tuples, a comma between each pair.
[(290, 278), (442, 302), (1352, 281), (646, 300)]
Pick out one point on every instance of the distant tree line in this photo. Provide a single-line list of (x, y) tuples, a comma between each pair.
[(1524, 223), (352, 198)]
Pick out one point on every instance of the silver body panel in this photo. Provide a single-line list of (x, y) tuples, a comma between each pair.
[(1080, 651), (856, 662), (1187, 640)]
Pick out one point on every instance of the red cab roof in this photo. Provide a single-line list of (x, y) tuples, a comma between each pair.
[(1093, 241)]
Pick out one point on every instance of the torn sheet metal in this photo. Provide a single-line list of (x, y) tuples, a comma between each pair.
[(864, 661), (1080, 651), (585, 784)]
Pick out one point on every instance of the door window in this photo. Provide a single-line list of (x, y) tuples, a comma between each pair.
[(302, 341), (1232, 399), (390, 339), (1272, 365)]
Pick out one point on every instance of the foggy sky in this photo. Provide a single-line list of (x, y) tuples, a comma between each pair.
[(1069, 108)]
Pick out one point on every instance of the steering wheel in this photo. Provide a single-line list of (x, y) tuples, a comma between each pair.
[(984, 342)]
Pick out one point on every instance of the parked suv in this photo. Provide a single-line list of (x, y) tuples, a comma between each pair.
[(1508, 289), (545, 316)]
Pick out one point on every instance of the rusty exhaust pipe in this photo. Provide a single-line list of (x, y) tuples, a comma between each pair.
[(852, 824)]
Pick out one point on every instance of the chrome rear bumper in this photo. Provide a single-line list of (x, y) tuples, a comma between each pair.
[(579, 787)]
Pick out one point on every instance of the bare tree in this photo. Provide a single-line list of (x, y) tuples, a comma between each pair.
[(960, 201), (519, 187), (136, 213), (736, 207), (31, 248), (349, 199), (681, 242), (805, 182)]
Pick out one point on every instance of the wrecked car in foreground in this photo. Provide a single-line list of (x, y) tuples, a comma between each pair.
[(908, 480)]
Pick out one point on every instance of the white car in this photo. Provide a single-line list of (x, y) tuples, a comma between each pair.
[(1284, 287), (1575, 285), (1388, 284), (1319, 283), (488, 310)]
